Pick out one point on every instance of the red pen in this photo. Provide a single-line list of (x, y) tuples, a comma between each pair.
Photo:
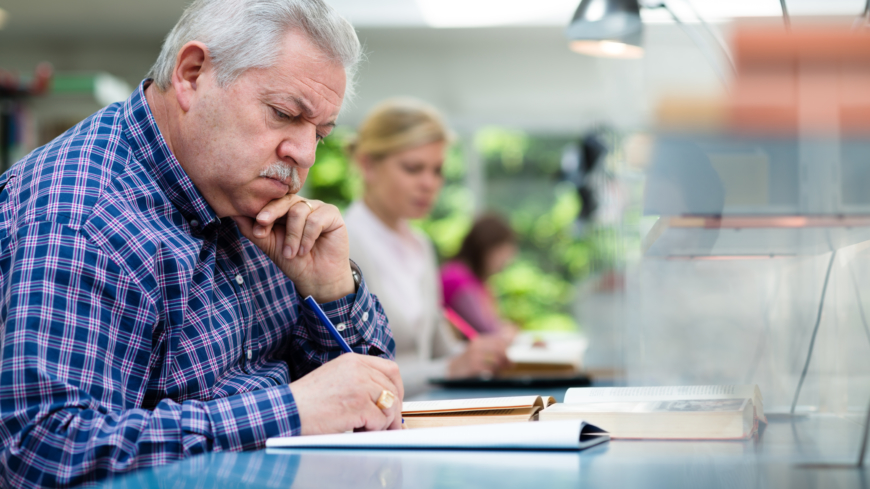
[(463, 327)]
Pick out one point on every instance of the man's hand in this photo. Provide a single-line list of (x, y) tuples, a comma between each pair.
[(485, 355), (341, 395), (308, 244)]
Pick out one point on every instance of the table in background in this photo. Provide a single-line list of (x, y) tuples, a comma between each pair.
[(772, 460)]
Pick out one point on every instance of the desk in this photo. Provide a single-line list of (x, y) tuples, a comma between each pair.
[(769, 461)]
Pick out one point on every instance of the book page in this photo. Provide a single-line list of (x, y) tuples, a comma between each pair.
[(553, 435), (666, 393), (482, 412), (458, 405), (676, 406)]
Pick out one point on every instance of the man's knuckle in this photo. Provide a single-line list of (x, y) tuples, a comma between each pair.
[(315, 219), (392, 368)]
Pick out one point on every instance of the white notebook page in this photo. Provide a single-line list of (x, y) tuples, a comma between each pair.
[(551, 435)]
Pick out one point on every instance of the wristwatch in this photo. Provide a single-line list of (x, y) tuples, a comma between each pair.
[(356, 274)]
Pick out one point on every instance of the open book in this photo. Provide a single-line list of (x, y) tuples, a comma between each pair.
[(460, 412), (545, 354), (687, 412), (713, 412), (555, 435)]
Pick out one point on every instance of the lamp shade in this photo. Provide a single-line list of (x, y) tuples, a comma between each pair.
[(610, 28)]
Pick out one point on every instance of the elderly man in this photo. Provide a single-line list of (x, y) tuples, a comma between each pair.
[(154, 257)]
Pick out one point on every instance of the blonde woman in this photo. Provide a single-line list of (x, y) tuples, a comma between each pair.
[(400, 149)]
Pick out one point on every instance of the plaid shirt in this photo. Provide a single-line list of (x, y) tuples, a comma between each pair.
[(138, 327)]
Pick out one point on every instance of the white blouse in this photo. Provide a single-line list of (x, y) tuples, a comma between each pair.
[(400, 268)]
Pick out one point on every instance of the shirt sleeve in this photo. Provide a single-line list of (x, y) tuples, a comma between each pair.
[(76, 350), (359, 319)]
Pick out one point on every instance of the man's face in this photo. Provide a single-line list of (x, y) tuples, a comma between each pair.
[(255, 140)]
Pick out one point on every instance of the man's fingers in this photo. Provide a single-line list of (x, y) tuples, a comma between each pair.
[(374, 376), (271, 213), (276, 209), (381, 381), (248, 228), (297, 215), (375, 419), (310, 232), (322, 220), (397, 423), (304, 222), (391, 370), (395, 408)]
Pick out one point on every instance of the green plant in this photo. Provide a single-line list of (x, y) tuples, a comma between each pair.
[(334, 178), (450, 220), (523, 183)]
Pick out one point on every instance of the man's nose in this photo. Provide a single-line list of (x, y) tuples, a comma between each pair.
[(300, 146)]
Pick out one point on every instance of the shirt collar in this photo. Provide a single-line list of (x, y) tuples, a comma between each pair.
[(149, 146)]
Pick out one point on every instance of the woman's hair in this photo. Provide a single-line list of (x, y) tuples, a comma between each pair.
[(396, 125), (245, 34), (488, 233)]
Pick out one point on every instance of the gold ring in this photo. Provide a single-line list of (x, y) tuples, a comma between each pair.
[(386, 399), (306, 203)]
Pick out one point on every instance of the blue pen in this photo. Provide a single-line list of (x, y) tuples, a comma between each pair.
[(325, 320), (334, 332)]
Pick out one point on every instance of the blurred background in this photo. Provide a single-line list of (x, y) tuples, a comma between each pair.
[(619, 175)]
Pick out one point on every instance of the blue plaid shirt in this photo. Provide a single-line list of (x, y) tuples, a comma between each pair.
[(138, 327)]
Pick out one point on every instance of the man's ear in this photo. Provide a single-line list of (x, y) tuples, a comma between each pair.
[(192, 61)]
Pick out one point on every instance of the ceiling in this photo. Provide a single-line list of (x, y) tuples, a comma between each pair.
[(153, 18), (518, 74)]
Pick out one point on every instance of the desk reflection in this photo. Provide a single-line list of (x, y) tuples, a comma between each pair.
[(778, 458), (378, 469)]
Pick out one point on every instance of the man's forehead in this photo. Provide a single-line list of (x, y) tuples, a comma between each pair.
[(304, 65)]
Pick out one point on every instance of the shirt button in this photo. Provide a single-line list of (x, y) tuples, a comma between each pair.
[(341, 326), (365, 316), (239, 280), (194, 223)]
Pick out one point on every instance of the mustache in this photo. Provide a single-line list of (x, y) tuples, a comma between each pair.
[(284, 172)]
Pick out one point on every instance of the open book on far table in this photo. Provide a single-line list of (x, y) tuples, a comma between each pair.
[(689, 412), (538, 360), (546, 355)]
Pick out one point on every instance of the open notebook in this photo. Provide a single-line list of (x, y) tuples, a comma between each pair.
[(554, 435)]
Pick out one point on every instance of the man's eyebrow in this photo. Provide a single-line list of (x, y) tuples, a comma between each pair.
[(305, 106), (302, 104)]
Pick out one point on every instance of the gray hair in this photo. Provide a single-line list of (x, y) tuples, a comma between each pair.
[(245, 34)]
